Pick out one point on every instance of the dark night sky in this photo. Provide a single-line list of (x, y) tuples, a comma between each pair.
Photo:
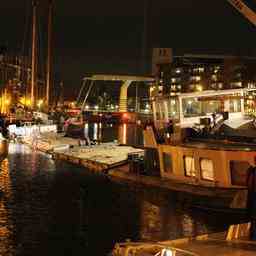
[(101, 36)]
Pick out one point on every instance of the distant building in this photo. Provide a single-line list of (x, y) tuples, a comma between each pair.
[(15, 78), (188, 73), (160, 57)]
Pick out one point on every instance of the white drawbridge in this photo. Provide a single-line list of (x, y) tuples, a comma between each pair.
[(88, 83)]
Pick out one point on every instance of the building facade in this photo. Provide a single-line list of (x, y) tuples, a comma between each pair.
[(190, 73)]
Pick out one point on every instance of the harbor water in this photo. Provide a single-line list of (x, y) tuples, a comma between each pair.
[(54, 208)]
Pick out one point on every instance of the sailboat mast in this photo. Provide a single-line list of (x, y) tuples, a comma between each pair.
[(49, 55), (33, 71)]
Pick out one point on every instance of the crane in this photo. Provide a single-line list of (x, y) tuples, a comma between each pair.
[(244, 10)]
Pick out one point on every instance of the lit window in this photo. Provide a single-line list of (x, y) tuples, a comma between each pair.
[(189, 164), (207, 171), (195, 78), (201, 70), (214, 78)]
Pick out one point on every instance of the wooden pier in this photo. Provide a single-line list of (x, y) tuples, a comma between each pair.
[(97, 158)]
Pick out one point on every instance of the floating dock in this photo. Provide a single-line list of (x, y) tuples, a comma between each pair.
[(98, 158)]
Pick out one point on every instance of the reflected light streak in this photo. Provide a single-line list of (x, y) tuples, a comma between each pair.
[(5, 186), (86, 130), (124, 133), (95, 131), (100, 131), (151, 221)]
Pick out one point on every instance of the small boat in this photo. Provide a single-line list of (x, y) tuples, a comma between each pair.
[(206, 145)]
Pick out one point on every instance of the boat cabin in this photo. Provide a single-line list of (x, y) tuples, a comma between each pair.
[(188, 108)]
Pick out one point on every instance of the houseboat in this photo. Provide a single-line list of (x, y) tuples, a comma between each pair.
[(206, 143)]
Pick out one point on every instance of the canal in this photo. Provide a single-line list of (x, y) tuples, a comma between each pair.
[(54, 208)]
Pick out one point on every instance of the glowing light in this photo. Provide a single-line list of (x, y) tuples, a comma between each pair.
[(199, 88), (96, 107), (40, 103), (86, 107), (151, 89), (28, 103), (190, 102)]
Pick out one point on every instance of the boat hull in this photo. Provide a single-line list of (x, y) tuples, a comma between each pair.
[(217, 198)]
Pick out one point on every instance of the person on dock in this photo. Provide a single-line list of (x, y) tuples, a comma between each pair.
[(251, 201)]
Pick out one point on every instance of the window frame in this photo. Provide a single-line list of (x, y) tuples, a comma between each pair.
[(185, 169), (201, 170)]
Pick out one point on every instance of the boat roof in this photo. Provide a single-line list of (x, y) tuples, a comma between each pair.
[(208, 93)]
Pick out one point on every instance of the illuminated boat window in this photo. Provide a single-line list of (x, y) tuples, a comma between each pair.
[(207, 171), (189, 165), (167, 159), (239, 172)]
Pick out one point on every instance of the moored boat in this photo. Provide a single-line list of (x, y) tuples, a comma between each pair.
[(203, 148)]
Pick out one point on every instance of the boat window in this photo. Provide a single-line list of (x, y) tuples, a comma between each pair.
[(189, 166), (158, 111), (239, 172), (235, 105), (173, 108), (207, 171), (193, 107), (167, 159)]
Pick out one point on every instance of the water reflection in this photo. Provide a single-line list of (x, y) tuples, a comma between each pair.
[(125, 133), (6, 225), (55, 208)]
